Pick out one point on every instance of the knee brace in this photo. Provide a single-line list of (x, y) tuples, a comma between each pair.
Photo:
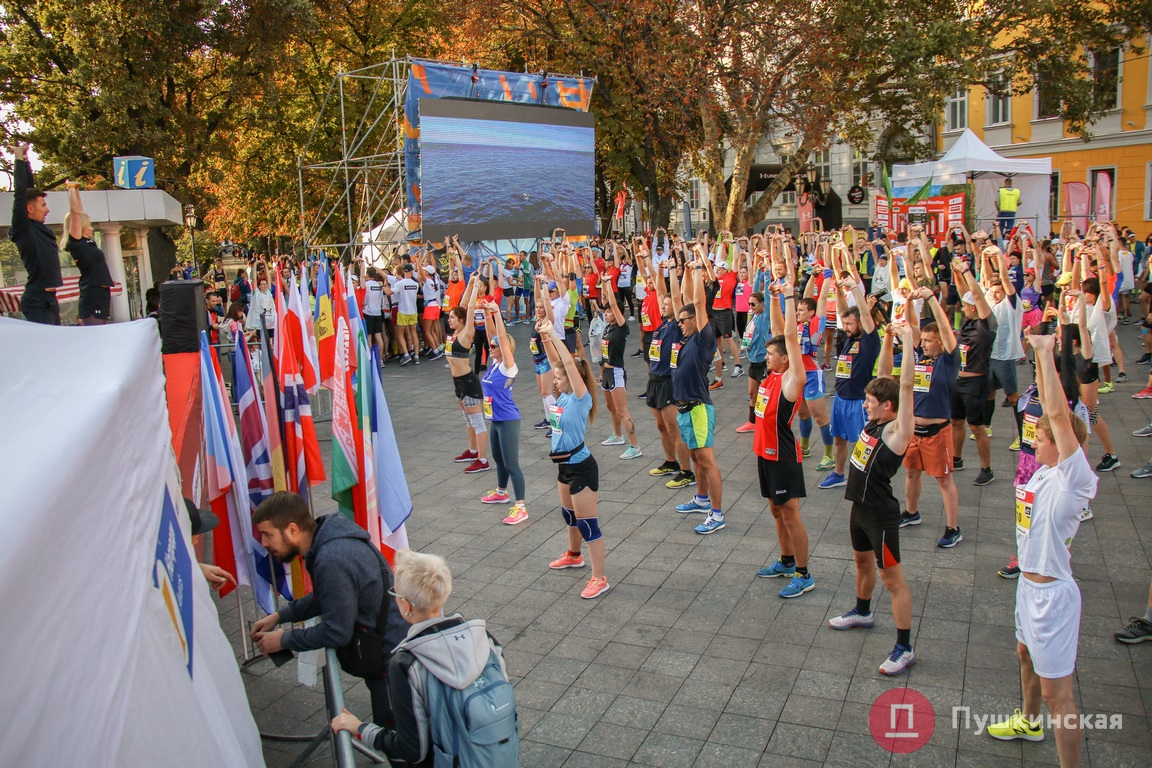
[(589, 528), (569, 516), (476, 421)]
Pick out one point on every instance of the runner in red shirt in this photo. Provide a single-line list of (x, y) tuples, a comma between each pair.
[(723, 320)]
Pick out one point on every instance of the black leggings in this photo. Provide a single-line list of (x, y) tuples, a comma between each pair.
[(625, 293), (479, 350)]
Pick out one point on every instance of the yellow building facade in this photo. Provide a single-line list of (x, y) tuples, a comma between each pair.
[(1120, 147)]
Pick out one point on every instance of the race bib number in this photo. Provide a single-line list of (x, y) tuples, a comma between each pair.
[(654, 350), (1024, 499), (746, 339), (761, 402), (844, 367), (604, 347), (554, 414), (488, 408), (1029, 433), (922, 378), (963, 357), (534, 347), (644, 319), (675, 354), (863, 451)]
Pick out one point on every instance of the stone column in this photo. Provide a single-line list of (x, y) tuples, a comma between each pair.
[(115, 258), (145, 263)]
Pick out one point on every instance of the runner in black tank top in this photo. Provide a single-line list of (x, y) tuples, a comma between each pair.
[(777, 451), (874, 524)]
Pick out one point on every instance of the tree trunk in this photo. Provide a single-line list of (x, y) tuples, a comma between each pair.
[(659, 209), (757, 211)]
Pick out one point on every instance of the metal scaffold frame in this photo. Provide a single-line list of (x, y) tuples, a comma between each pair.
[(365, 185)]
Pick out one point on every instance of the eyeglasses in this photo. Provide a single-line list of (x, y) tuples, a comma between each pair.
[(680, 320), (397, 596)]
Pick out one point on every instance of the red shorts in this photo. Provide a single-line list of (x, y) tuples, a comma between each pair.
[(432, 312), (931, 455)]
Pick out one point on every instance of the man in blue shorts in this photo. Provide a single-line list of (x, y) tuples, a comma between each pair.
[(696, 417), (854, 364)]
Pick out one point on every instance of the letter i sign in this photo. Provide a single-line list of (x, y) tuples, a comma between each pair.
[(901, 720)]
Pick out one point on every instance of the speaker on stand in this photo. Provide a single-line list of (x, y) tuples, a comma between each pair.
[(182, 316)]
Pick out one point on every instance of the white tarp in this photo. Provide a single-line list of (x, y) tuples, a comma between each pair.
[(971, 157), (96, 670)]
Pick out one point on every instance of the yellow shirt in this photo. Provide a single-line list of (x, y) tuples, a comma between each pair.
[(1009, 199)]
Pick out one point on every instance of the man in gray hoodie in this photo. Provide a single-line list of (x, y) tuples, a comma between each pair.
[(350, 579)]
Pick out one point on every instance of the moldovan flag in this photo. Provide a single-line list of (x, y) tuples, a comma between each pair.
[(325, 322)]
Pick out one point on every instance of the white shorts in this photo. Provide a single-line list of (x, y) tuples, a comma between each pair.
[(1048, 623)]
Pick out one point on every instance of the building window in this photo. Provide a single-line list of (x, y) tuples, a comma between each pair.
[(1054, 197), (822, 159), (861, 168), (1047, 100), (999, 100), (788, 197), (956, 111), (694, 193), (1106, 77)]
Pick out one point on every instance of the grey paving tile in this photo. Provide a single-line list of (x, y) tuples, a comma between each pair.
[(668, 751), (681, 720)]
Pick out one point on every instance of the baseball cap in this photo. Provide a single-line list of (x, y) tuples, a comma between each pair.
[(722, 265), (202, 519), (406, 268), (429, 269), (552, 285), (968, 298)]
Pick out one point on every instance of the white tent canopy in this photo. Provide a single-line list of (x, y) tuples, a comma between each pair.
[(970, 158), (393, 231)]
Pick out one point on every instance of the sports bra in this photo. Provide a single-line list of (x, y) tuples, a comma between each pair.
[(456, 349)]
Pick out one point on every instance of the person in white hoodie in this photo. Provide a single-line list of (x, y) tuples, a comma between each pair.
[(451, 649)]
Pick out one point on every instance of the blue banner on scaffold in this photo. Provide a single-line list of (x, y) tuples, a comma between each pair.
[(436, 80)]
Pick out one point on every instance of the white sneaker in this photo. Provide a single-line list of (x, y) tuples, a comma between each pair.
[(613, 440), (737, 372), (899, 660)]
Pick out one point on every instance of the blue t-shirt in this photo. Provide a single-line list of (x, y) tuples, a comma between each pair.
[(932, 385), (761, 327), (498, 402), (665, 340), (568, 419), (855, 364), (690, 376)]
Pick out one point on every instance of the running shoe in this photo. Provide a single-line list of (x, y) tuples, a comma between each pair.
[(806, 452), (496, 496), (437, 354), (405, 359), (1012, 570), (595, 588), (694, 505), (798, 586), (567, 560), (643, 395), (1137, 631), (737, 371), (1144, 394), (826, 367), (1144, 359), (480, 465), (541, 424), (985, 477), (415, 361), (746, 427), (909, 518), (1107, 388), (1086, 514), (777, 568), (710, 525), (516, 514), (718, 384), (852, 619), (826, 463), (1017, 727), (724, 367), (631, 452), (681, 480), (899, 660), (613, 440), (1108, 463), (1122, 378), (466, 458), (987, 430), (1015, 446), (950, 538), (1143, 432), (637, 353), (833, 480), (667, 468), (1144, 471), (957, 464)]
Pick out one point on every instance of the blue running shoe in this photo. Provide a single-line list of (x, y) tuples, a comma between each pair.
[(711, 525), (834, 480), (798, 586), (909, 518), (693, 505), (777, 569), (950, 538), (852, 619), (899, 660)]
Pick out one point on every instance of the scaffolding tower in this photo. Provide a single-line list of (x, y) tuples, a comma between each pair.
[(343, 201)]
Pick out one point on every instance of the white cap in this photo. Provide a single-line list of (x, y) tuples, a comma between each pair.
[(429, 269), (968, 298)]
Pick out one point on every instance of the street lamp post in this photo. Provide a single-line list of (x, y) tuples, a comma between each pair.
[(811, 186), (190, 223)]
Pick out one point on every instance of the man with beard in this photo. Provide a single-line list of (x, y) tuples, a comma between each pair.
[(350, 581)]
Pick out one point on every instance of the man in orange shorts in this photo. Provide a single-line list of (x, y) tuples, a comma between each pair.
[(937, 360)]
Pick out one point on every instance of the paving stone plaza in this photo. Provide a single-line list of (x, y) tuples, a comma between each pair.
[(690, 659)]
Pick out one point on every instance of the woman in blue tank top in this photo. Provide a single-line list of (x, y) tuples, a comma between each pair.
[(504, 437), (578, 477)]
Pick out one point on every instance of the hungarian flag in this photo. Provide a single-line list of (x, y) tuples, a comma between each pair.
[(325, 322)]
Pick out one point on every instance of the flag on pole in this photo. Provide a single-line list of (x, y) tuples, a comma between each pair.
[(887, 183), (258, 467), (301, 448), (364, 498), (309, 362), (920, 194), (394, 501), (325, 328), (344, 474)]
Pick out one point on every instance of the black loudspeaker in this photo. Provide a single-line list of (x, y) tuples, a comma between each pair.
[(182, 315)]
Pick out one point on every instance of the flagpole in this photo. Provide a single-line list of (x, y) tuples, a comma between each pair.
[(243, 625)]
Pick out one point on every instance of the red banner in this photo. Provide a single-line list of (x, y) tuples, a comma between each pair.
[(806, 212), (1103, 207), (937, 214), (1077, 200)]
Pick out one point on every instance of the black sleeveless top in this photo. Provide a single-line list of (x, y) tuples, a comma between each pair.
[(870, 471)]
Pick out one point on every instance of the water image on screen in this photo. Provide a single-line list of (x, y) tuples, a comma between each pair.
[(493, 170)]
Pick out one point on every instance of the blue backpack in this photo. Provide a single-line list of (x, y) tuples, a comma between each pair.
[(475, 727)]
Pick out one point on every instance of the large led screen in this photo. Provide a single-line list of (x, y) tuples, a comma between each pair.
[(494, 171)]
